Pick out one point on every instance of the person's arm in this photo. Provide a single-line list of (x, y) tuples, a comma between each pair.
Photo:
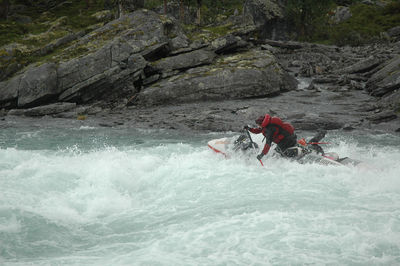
[(268, 138)]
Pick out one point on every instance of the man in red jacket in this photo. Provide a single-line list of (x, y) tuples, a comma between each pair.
[(277, 131)]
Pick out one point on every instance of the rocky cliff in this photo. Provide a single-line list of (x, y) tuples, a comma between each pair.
[(146, 58), (143, 66)]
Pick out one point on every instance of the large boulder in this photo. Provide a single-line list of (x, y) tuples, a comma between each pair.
[(267, 16), (38, 85), (252, 74), (34, 87), (104, 63)]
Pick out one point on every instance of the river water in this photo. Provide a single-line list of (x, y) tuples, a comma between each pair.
[(103, 196)]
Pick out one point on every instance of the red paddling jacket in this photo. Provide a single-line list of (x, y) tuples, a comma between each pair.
[(277, 131)]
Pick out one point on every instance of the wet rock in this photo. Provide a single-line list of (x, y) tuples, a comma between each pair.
[(50, 109)]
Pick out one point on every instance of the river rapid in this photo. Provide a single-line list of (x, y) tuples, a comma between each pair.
[(105, 196)]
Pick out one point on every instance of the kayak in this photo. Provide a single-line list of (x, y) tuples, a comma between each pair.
[(249, 144)]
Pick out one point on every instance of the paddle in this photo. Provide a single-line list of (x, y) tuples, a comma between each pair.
[(252, 143)]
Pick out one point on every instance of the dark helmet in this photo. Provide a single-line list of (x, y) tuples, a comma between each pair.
[(264, 120)]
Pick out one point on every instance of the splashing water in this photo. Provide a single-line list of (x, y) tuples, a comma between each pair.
[(115, 197)]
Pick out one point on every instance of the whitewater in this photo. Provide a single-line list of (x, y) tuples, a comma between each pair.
[(105, 196)]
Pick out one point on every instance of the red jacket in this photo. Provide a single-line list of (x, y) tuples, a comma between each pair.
[(278, 132)]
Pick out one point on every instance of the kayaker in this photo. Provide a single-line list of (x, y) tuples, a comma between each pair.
[(277, 131)]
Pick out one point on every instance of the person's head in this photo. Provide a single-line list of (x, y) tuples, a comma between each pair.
[(264, 120)]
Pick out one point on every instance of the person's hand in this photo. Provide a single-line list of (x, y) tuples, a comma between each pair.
[(259, 157), (246, 127)]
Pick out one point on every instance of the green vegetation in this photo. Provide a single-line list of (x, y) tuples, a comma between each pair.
[(366, 24), (79, 17), (306, 16), (312, 20), (36, 24)]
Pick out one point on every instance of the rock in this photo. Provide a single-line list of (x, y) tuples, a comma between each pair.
[(253, 74), (157, 51), (179, 42), (104, 15), (394, 32), (3, 112), (287, 45), (385, 80), (269, 48), (391, 100), (9, 92), (362, 66), (16, 112), (382, 117), (227, 44), (184, 61), (268, 18), (82, 72), (50, 109), (341, 14), (38, 85), (58, 24), (110, 69), (8, 65)]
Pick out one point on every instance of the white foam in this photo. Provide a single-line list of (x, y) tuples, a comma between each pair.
[(181, 203)]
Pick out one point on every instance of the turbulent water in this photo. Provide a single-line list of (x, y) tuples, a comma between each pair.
[(90, 196)]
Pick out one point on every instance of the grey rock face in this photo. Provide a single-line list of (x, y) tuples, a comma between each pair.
[(185, 61), (116, 62), (267, 16), (342, 13), (362, 66), (227, 44), (252, 74), (37, 85), (385, 80), (9, 92)]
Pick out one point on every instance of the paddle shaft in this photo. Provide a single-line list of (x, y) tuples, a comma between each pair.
[(252, 143)]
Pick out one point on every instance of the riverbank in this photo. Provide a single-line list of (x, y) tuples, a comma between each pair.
[(151, 75), (307, 109)]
